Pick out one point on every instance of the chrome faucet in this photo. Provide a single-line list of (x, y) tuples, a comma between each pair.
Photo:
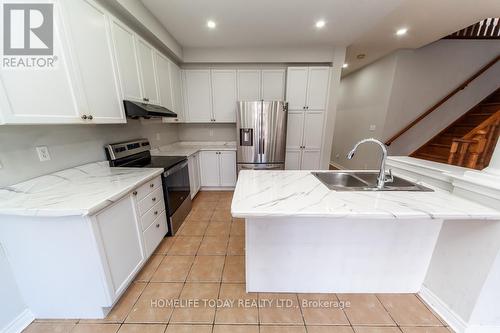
[(381, 179)]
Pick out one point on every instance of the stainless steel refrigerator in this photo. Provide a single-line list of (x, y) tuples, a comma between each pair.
[(261, 135)]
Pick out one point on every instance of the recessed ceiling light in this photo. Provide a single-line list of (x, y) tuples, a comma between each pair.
[(345, 65), (211, 24), (320, 24), (361, 56), (401, 32)]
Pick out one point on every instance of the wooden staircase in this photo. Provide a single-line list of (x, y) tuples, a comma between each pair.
[(470, 140)]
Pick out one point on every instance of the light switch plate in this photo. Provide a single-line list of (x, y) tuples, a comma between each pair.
[(43, 153)]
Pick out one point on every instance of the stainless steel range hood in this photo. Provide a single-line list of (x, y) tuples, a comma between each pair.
[(142, 110)]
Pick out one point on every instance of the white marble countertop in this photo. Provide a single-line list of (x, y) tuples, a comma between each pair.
[(82, 190), (299, 194), (187, 148)]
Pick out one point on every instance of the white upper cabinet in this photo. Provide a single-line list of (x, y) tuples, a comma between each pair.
[(148, 71), (307, 88), (164, 81), (273, 84), (176, 82), (296, 88), (126, 58), (224, 95), (198, 95), (317, 88), (249, 85), (91, 42), (52, 92)]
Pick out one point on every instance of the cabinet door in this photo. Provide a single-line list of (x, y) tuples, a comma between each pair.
[(148, 71), (292, 159), (198, 95), (119, 233), (296, 88), (317, 89), (52, 94), (176, 82), (224, 95), (126, 58), (91, 42), (249, 82), (164, 83), (273, 84), (310, 159), (209, 168), (197, 173), (227, 168), (193, 177), (295, 128), (313, 129)]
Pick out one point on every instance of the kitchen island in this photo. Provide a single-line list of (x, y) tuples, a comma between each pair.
[(303, 237)]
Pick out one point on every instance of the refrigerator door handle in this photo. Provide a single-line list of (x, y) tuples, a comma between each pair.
[(262, 146)]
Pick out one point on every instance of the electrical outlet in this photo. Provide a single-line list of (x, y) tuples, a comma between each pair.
[(158, 137), (43, 153), (211, 132), (373, 128)]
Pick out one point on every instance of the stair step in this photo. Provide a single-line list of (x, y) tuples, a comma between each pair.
[(431, 157), (439, 145)]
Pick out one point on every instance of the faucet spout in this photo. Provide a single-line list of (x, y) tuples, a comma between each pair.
[(381, 179)]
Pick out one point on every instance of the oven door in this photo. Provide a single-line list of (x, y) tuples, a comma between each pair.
[(177, 189)]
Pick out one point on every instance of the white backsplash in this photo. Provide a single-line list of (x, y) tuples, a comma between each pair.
[(69, 145)]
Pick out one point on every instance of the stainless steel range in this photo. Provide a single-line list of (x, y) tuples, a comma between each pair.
[(175, 178)]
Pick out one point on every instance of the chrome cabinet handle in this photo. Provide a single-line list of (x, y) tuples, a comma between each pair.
[(154, 199), (151, 185), (84, 117), (145, 99), (90, 117), (158, 225), (156, 212), (134, 193)]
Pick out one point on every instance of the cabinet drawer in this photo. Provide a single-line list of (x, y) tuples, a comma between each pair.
[(150, 200), (155, 233), (152, 214), (147, 188)]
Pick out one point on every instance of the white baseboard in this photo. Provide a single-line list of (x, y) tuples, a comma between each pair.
[(19, 323), (450, 317), (217, 188)]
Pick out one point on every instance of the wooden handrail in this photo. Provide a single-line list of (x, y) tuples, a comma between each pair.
[(442, 101)]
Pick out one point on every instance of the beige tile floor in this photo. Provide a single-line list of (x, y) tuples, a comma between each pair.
[(205, 261)]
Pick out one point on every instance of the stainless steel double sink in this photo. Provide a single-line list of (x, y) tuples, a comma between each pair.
[(364, 181)]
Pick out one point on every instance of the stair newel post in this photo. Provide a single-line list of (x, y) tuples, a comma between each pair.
[(477, 148)]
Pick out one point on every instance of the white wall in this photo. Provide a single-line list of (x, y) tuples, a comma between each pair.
[(416, 79), (69, 145), (207, 132), (11, 302), (364, 98), (259, 55)]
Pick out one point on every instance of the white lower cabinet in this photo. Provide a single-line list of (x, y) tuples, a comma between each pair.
[(83, 264), (120, 238), (218, 168), (194, 173)]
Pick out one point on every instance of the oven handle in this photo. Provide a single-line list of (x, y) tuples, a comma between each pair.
[(175, 168)]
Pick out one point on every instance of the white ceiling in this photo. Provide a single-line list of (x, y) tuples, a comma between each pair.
[(261, 23), (363, 26)]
